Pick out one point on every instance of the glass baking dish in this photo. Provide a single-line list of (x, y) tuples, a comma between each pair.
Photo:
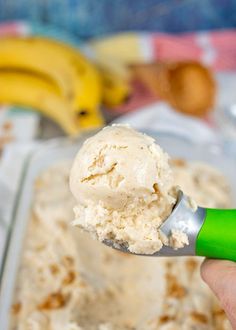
[(65, 149)]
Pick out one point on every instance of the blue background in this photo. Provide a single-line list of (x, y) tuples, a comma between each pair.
[(90, 18)]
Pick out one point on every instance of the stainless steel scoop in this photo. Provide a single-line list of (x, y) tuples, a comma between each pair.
[(211, 232)]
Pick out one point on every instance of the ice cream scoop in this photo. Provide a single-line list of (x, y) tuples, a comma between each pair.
[(126, 197), (123, 186), (211, 232)]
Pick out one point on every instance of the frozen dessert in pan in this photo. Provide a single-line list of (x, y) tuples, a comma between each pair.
[(68, 281)]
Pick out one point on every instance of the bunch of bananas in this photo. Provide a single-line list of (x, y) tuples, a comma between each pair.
[(57, 80)]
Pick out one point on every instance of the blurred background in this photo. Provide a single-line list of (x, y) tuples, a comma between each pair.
[(136, 48), (89, 18), (69, 67)]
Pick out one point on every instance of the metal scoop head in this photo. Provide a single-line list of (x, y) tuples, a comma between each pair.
[(182, 218)]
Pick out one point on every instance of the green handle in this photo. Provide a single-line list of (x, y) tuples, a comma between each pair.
[(217, 237)]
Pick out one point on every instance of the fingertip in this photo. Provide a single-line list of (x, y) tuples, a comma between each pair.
[(215, 271), (203, 270), (207, 269), (220, 276)]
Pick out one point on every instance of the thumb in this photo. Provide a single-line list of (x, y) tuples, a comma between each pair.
[(220, 275)]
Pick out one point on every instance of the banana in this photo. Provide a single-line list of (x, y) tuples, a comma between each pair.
[(22, 54), (116, 90), (78, 79), (33, 91), (116, 77), (125, 47), (89, 86), (116, 67)]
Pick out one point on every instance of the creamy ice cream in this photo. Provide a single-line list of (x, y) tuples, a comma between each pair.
[(68, 281), (123, 184), (205, 184)]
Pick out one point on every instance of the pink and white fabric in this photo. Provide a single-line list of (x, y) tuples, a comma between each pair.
[(216, 48)]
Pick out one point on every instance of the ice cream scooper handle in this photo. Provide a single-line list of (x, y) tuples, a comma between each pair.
[(217, 236)]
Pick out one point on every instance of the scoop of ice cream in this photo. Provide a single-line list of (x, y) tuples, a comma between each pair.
[(117, 165), (123, 184)]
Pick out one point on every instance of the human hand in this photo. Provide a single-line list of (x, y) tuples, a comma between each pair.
[(220, 275)]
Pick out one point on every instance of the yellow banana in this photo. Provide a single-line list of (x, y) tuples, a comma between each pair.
[(124, 47), (115, 76), (29, 90), (77, 79), (88, 98), (116, 90), (22, 54), (116, 67)]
